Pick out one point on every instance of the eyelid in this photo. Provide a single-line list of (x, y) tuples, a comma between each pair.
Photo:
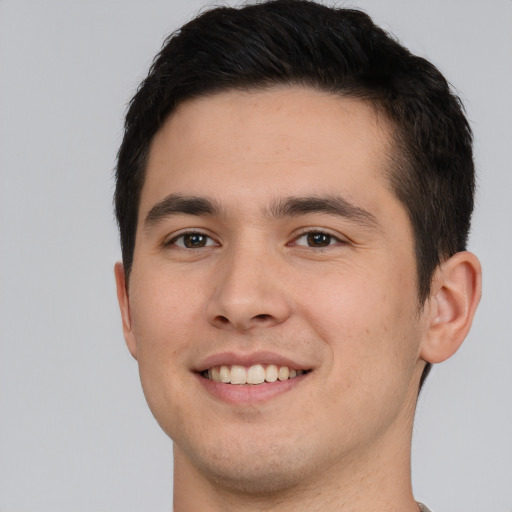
[(170, 240), (339, 239)]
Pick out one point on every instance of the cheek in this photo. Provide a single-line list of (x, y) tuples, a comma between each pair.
[(368, 321), (165, 313)]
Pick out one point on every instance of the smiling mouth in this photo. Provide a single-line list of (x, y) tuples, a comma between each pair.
[(252, 375)]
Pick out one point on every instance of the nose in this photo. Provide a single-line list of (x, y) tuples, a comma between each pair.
[(249, 294)]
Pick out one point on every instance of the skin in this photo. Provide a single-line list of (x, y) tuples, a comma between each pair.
[(346, 308)]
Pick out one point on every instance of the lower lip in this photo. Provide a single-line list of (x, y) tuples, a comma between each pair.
[(246, 394)]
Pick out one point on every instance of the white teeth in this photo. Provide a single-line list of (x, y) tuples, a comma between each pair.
[(225, 374), (215, 373), (256, 374), (238, 374), (271, 373), (284, 373)]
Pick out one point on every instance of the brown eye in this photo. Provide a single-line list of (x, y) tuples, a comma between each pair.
[(192, 241), (318, 239)]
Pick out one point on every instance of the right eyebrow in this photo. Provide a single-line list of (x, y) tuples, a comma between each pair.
[(175, 204)]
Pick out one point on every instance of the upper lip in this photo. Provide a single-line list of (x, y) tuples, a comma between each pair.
[(249, 359)]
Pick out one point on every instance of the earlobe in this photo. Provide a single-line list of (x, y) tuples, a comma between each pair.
[(124, 305), (456, 290)]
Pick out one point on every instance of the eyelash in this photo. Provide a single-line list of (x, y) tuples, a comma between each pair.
[(173, 241), (332, 239), (209, 241)]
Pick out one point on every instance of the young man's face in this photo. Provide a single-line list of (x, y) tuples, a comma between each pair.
[(269, 241)]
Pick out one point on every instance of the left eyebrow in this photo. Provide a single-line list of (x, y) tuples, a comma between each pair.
[(331, 204)]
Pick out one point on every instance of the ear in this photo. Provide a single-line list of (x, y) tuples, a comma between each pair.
[(124, 305), (456, 290)]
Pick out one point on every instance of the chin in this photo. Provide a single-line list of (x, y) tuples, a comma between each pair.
[(261, 481), (253, 470)]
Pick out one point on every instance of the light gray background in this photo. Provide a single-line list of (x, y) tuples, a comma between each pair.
[(75, 432)]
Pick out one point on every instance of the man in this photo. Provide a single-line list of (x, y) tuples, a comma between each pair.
[(294, 192)]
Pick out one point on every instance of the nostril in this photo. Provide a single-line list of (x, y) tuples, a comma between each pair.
[(262, 317)]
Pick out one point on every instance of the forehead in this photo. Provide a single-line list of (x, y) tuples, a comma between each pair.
[(249, 145)]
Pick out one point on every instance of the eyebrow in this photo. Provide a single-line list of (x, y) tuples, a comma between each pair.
[(185, 205), (331, 204), (175, 204)]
